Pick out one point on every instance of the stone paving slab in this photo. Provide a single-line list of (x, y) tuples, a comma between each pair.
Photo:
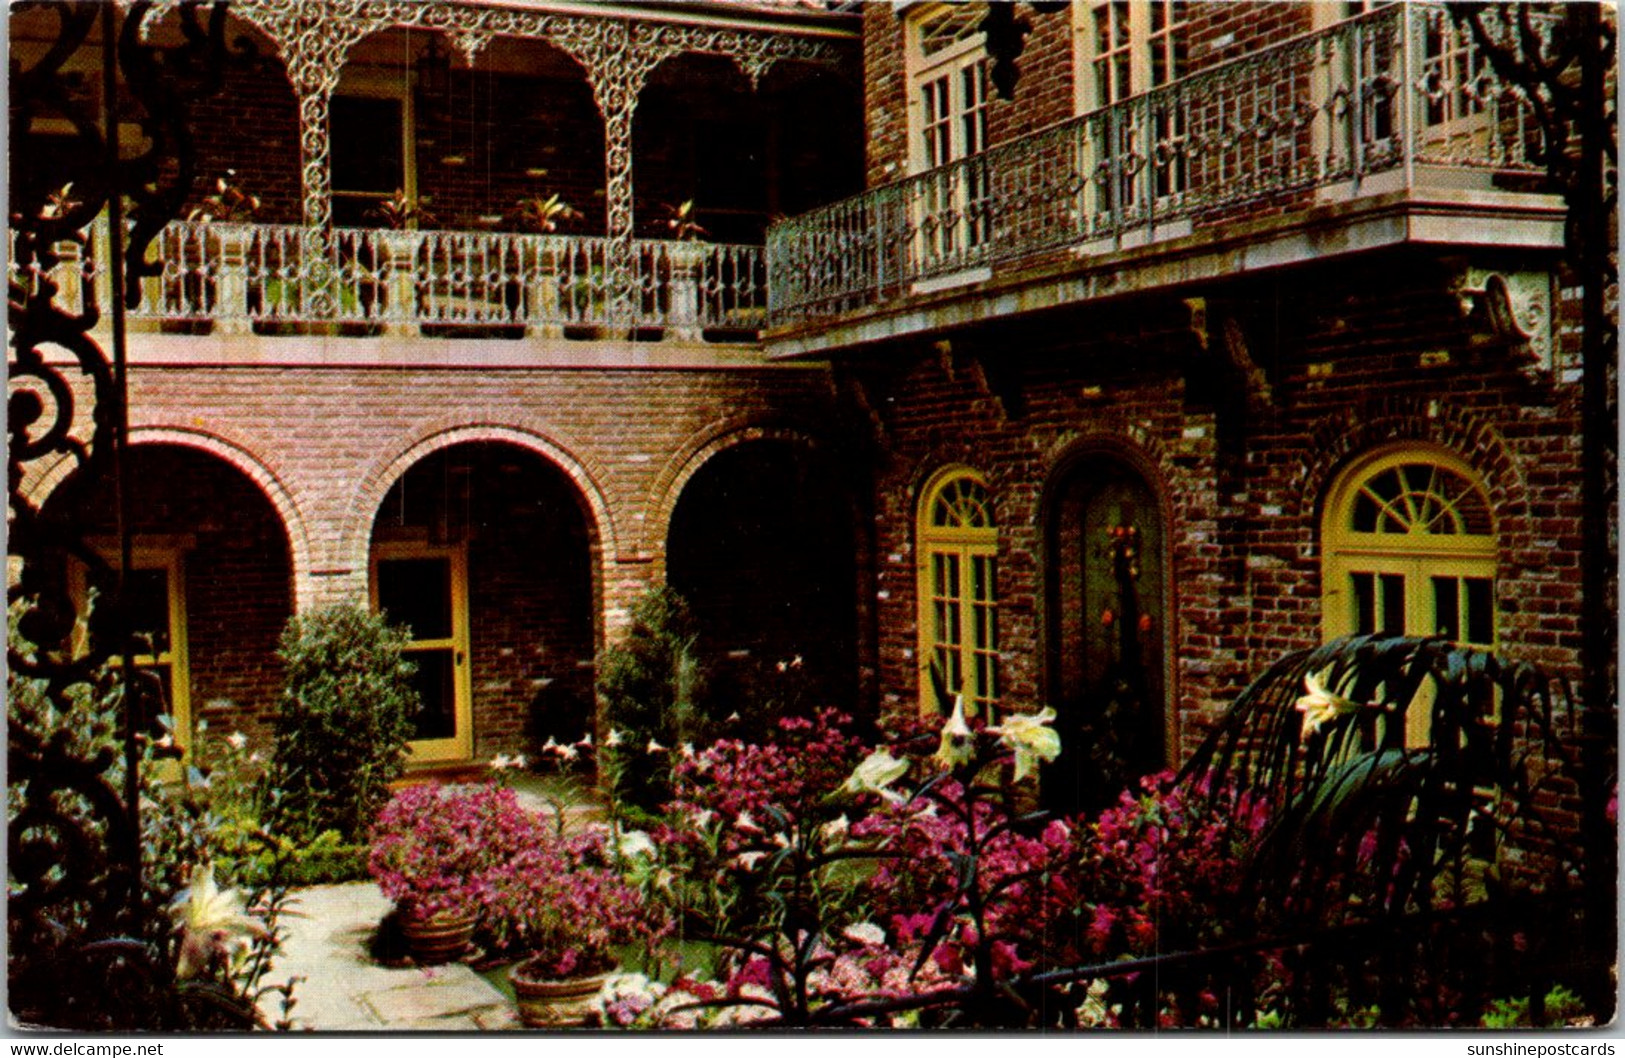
[(344, 990)]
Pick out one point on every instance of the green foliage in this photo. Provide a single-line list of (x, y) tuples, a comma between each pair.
[(652, 687), (1560, 1005), (83, 953), (344, 723)]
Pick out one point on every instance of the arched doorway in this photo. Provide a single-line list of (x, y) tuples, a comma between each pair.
[(210, 588), (485, 552), (761, 547), (1107, 635)]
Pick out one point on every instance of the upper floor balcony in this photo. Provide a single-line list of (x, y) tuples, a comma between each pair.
[(1387, 128), (280, 279)]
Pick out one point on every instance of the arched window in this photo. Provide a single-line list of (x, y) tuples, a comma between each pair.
[(958, 589), (1408, 543)]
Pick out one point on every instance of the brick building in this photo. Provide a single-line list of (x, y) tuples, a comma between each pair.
[(1241, 325)]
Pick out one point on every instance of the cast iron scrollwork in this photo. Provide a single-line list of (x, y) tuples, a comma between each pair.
[(96, 135)]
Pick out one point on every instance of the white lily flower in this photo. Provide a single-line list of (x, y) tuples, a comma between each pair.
[(866, 933), (551, 746), (836, 829), (212, 922), (749, 860), (568, 753), (876, 772), (1031, 738), (957, 744), (1321, 705), (585, 741), (635, 843), (614, 738), (237, 740), (654, 747), (744, 822), (686, 750)]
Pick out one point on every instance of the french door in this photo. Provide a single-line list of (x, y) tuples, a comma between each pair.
[(425, 588)]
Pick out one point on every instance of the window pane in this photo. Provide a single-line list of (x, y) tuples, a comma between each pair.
[(148, 592), (416, 592), (1393, 604), (366, 144), (1480, 610), (1447, 607), (436, 687), (1365, 602)]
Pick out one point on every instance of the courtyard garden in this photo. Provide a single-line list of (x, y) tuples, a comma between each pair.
[(1315, 864)]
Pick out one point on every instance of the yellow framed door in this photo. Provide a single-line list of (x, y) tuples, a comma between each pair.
[(425, 588)]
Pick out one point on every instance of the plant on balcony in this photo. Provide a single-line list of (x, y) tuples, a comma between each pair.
[(229, 204), (543, 214), (400, 210), (679, 222)]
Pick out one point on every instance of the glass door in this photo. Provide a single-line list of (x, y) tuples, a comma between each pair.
[(425, 588)]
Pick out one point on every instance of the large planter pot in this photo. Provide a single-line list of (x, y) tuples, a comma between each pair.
[(438, 937), (545, 1003)]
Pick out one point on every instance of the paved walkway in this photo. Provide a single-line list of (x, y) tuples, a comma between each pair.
[(345, 990)]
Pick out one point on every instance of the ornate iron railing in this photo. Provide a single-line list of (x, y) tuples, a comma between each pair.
[(267, 277), (1396, 99)]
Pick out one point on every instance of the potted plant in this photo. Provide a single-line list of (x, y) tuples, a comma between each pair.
[(436, 852), (575, 917), (543, 214)]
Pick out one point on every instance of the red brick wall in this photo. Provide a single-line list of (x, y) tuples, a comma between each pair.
[(323, 434), (1244, 488), (1044, 92), (885, 101), (252, 126)]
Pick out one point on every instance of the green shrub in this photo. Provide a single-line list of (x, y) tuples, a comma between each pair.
[(652, 687), (344, 722)]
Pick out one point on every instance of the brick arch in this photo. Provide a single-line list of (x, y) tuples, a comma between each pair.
[(695, 453), (1134, 448), (376, 483), (239, 458), (1340, 439)]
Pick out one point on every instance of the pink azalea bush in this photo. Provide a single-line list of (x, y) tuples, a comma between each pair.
[(563, 903), (438, 848)]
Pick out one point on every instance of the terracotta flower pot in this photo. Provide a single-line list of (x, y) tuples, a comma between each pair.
[(437, 937), (545, 1003)]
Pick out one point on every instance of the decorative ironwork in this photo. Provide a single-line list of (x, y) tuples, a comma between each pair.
[(1371, 105), (315, 36), (234, 277), (74, 838)]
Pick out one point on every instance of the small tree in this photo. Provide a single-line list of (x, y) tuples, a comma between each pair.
[(341, 734), (651, 686)]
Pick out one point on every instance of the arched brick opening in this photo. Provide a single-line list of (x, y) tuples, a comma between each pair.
[(514, 532), (205, 530), (761, 545), (1109, 623)]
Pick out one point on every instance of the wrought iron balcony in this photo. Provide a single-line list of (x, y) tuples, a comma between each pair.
[(273, 279), (1398, 100)]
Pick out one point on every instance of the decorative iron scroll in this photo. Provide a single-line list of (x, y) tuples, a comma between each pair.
[(315, 36), (75, 837)]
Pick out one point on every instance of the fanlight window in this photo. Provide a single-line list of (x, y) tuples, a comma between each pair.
[(1410, 549), (1420, 498)]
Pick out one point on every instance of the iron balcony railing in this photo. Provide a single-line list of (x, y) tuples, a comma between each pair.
[(274, 278), (1396, 99)]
